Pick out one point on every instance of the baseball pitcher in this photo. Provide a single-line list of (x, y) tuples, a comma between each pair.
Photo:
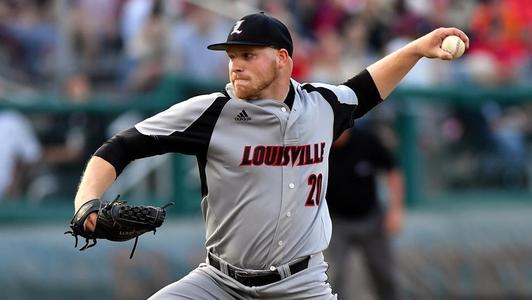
[(262, 146)]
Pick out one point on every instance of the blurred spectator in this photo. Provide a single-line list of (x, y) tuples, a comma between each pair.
[(508, 164), (77, 88), (133, 16), (406, 22), (357, 53), (279, 9), (360, 220), (328, 16), (102, 33), (19, 150), (189, 38), (498, 30), (303, 12), (29, 35), (146, 50), (95, 38), (326, 62), (377, 16)]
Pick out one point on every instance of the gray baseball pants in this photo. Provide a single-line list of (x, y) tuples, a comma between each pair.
[(208, 283)]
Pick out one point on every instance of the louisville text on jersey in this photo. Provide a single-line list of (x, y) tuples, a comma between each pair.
[(296, 155)]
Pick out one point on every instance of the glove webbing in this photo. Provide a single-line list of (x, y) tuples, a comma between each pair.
[(94, 206), (137, 237)]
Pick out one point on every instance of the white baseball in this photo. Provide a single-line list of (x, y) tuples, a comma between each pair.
[(454, 45)]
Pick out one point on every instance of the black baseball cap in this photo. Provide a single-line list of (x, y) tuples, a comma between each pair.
[(258, 29)]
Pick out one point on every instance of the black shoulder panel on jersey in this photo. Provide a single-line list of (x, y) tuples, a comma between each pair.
[(130, 144), (204, 126), (366, 90), (343, 113), (196, 138)]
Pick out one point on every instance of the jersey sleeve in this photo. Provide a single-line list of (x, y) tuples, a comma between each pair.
[(183, 128), (350, 100), (366, 92), (342, 100)]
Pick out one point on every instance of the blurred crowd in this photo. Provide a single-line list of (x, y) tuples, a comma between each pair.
[(80, 49), (129, 44)]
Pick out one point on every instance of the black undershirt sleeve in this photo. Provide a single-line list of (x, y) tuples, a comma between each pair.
[(130, 144), (366, 91), (127, 146)]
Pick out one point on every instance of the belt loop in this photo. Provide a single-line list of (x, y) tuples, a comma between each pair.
[(284, 271), (223, 266), (222, 263)]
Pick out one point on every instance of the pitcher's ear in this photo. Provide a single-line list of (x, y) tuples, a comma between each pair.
[(282, 56)]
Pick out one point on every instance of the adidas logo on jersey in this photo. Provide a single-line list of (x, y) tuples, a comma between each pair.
[(242, 116)]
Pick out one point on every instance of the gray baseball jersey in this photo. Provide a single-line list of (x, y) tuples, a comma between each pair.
[(263, 164)]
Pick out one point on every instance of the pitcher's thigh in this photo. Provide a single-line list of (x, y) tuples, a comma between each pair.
[(196, 285)]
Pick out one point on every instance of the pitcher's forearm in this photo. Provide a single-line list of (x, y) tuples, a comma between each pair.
[(97, 178), (388, 72)]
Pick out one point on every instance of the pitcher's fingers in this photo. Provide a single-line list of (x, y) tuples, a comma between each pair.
[(459, 33), (90, 223)]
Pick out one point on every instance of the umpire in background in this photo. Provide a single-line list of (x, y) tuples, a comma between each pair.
[(359, 219)]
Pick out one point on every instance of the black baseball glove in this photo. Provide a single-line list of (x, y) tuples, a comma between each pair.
[(117, 221)]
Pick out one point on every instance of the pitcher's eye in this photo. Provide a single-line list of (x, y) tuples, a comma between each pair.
[(249, 56)]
